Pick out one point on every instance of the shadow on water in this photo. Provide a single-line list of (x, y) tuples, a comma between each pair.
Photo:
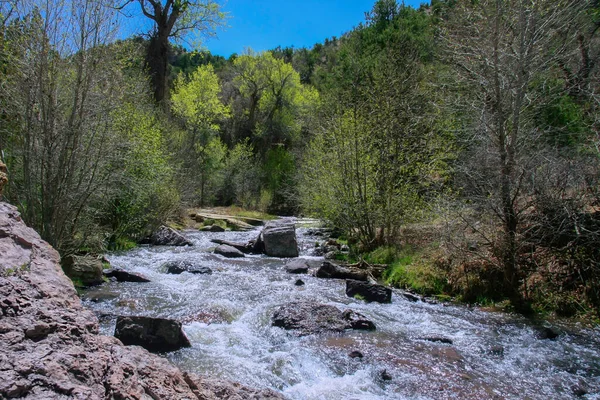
[(227, 315)]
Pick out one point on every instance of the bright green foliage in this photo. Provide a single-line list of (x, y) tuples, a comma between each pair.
[(274, 110), (143, 192), (196, 101), (278, 105)]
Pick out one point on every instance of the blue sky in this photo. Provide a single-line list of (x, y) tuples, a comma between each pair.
[(266, 24)]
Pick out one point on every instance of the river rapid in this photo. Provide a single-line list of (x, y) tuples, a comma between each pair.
[(227, 317)]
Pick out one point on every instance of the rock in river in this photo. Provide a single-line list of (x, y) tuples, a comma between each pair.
[(280, 240), (124, 276), (228, 251), (309, 318), (368, 291), (153, 334), (166, 236), (179, 267), (243, 247), (297, 266), (330, 270)]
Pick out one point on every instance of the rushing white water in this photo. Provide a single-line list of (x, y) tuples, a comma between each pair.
[(228, 314)]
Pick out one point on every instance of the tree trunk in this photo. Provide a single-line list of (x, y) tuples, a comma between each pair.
[(157, 64)]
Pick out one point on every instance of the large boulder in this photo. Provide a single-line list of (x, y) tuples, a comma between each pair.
[(125, 276), (153, 334), (166, 236), (297, 266), (280, 240), (179, 267), (306, 318), (368, 291), (332, 271), (50, 346), (85, 269), (228, 251)]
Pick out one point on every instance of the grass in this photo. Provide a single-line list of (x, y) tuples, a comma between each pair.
[(410, 269), (123, 244), (219, 222)]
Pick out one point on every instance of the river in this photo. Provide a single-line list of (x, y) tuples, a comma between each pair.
[(227, 314)]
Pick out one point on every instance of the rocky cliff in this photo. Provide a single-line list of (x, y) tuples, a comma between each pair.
[(49, 344)]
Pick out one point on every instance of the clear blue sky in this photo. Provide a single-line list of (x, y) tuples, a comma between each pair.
[(266, 24)]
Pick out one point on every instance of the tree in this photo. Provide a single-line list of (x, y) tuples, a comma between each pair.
[(500, 48), (174, 19), (378, 154), (196, 101), (77, 127)]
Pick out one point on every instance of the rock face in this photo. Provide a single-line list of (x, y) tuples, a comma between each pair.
[(332, 271), (124, 276), (165, 236), (179, 267), (49, 344), (280, 240), (86, 269), (228, 251), (308, 318), (297, 266), (154, 334), (368, 291)]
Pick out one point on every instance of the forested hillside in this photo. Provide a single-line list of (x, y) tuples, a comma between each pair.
[(457, 142)]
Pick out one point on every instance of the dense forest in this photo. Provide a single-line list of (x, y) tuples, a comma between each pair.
[(457, 142)]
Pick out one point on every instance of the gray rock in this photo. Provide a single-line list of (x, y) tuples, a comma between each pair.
[(153, 334), (332, 271), (280, 240), (356, 354), (545, 332), (124, 276), (306, 318), (496, 350), (228, 251), (166, 236), (179, 267), (212, 228), (299, 282), (437, 339), (257, 246), (86, 269), (50, 346), (385, 375), (243, 247), (411, 297), (297, 266), (358, 321), (368, 291)]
